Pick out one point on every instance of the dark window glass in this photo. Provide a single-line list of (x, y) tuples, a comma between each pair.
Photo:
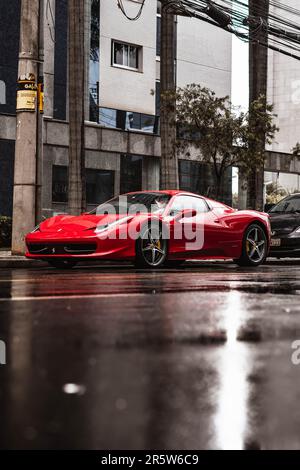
[(9, 48), (126, 55), (147, 123), (155, 202), (125, 120), (95, 30), (158, 35), (60, 59), (198, 178), (157, 98), (288, 205), (59, 183), (131, 173), (94, 61), (99, 185), (108, 117), (134, 120), (7, 155)]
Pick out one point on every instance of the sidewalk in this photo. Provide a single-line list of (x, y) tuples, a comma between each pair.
[(9, 261)]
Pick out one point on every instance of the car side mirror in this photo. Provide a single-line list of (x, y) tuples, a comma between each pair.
[(186, 214)]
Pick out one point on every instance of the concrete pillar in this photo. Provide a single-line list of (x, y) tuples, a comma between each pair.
[(26, 133)]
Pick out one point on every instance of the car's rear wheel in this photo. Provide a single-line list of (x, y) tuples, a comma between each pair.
[(255, 247), (151, 247), (62, 263)]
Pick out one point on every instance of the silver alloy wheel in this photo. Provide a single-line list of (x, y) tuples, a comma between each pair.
[(256, 244), (154, 247)]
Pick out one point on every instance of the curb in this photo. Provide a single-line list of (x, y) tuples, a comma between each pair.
[(21, 263)]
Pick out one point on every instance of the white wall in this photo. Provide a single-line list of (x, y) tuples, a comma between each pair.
[(284, 92), (126, 89), (204, 54)]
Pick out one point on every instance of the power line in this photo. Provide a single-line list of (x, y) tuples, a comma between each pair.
[(131, 18), (283, 34)]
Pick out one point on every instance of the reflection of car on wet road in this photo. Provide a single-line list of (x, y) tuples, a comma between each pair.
[(285, 222), (153, 228)]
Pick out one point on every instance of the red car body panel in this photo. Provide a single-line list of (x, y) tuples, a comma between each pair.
[(224, 230)]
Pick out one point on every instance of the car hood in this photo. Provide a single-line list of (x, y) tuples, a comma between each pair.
[(283, 224), (75, 224)]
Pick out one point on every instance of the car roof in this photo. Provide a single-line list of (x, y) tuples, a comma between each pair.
[(171, 192)]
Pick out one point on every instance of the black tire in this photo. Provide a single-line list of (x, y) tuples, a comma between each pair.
[(151, 247), (62, 263), (255, 247)]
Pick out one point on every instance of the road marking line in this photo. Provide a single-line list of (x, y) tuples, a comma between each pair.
[(82, 296)]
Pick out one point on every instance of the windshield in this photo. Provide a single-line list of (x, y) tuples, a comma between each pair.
[(289, 205), (134, 203)]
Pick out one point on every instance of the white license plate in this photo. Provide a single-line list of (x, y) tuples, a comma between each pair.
[(275, 242)]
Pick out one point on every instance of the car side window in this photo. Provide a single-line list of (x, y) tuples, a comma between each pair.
[(181, 203), (294, 205), (288, 205)]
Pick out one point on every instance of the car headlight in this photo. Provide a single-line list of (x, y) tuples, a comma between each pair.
[(104, 228)]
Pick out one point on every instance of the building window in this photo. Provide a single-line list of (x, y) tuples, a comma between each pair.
[(2, 92), (127, 120), (126, 55), (94, 70), (99, 185), (157, 98), (131, 173), (198, 178), (59, 184), (158, 29)]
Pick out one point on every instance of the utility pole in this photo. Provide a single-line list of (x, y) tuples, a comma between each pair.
[(169, 163), (77, 81), (40, 120), (258, 77), (24, 205)]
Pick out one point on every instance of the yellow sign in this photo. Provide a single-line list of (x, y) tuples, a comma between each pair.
[(26, 95), (41, 97)]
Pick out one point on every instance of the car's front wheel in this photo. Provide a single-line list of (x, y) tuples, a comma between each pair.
[(62, 263), (151, 247), (255, 247)]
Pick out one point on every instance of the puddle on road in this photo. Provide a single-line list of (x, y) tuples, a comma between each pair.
[(288, 288)]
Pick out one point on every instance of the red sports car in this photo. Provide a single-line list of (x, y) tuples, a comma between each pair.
[(153, 228)]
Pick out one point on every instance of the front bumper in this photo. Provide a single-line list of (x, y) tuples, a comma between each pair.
[(289, 247), (46, 246)]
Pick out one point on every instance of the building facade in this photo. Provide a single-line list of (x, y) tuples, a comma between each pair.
[(122, 99), (283, 174)]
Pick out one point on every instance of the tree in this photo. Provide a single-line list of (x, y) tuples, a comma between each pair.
[(77, 198), (258, 130), (208, 128)]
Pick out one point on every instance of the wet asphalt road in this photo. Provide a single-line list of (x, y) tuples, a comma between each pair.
[(197, 358)]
